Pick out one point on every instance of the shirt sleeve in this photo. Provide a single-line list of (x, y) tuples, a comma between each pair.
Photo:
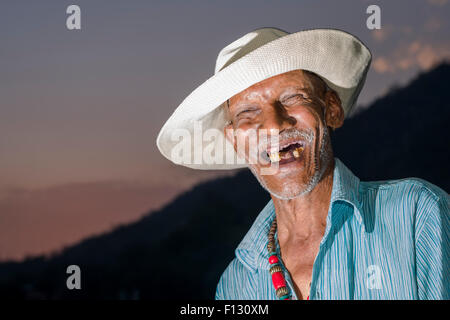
[(432, 246)]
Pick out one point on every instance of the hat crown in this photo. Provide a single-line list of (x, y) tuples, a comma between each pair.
[(246, 44)]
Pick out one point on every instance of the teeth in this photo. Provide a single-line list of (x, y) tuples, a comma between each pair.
[(297, 152), (274, 156)]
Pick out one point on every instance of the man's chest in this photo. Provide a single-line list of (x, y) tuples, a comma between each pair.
[(299, 261), (352, 267)]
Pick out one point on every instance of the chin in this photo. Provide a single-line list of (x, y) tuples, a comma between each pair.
[(286, 188), (292, 191)]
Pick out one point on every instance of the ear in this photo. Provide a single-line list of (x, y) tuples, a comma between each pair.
[(334, 114)]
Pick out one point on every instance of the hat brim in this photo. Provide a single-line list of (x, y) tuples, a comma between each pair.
[(336, 56)]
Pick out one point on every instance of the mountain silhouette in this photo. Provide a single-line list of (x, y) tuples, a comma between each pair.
[(403, 134), (180, 251)]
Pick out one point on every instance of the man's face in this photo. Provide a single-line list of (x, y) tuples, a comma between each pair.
[(297, 106)]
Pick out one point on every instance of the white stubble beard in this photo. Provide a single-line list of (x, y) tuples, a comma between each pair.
[(325, 159)]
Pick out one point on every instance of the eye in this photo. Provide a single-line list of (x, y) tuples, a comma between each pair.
[(245, 112)]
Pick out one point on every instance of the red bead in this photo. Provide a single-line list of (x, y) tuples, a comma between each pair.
[(307, 298), (273, 259), (278, 280)]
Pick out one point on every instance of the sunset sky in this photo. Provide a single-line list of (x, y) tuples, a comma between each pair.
[(80, 110)]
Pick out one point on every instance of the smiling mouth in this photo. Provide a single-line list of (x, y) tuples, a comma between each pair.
[(288, 153)]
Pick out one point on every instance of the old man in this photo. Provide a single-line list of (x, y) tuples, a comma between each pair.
[(324, 234)]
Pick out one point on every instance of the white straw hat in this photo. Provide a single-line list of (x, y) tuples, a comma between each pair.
[(338, 57)]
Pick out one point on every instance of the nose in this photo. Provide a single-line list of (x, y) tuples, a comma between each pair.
[(277, 117)]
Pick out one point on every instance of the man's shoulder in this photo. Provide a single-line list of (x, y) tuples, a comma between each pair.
[(239, 278), (412, 189), (409, 199), (233, 282)]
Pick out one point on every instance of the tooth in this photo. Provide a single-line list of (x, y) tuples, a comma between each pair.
[(297, 152), (275, 156)]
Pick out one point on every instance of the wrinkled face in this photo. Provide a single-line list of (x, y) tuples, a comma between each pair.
[(291, 113)]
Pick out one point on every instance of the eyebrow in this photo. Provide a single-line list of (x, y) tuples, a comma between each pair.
[(298, 88), (240, 104), (289, 90)]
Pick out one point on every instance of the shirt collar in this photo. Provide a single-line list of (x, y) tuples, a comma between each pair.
[(252, 251)]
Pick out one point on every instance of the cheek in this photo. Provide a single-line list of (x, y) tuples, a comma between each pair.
[(306, 117), (246, 131), (246, 125), (246, 139)]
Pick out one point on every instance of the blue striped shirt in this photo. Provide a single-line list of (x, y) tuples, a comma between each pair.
[(382, 240)]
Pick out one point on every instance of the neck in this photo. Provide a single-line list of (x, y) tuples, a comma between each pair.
[(304, 217)]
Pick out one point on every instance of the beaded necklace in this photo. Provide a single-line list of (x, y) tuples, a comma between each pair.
[(275, 270)]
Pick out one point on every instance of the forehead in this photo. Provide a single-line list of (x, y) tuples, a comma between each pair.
[(270, 86)]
